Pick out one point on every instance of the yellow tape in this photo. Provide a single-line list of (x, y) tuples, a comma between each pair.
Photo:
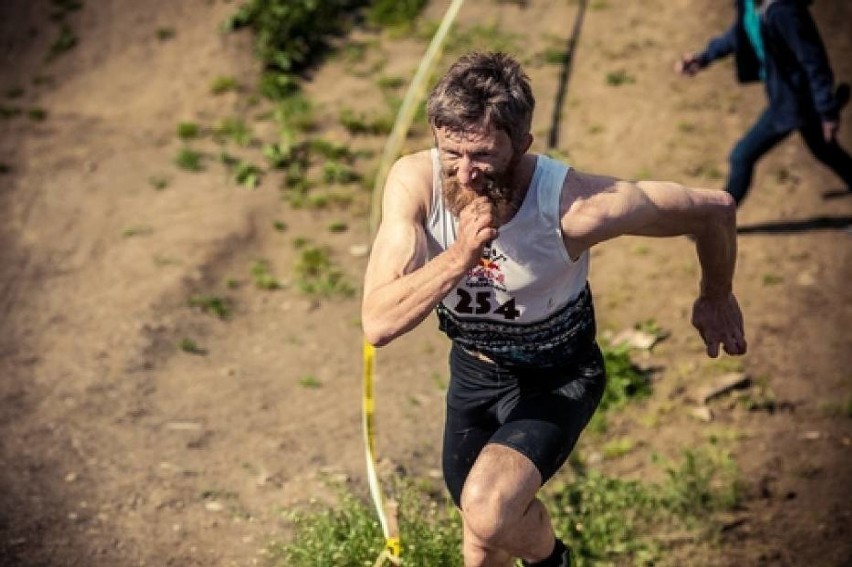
[(393, 146)]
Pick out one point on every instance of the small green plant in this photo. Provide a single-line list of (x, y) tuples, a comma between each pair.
[(188, 130), (138, 230), (554, 56), (189, 346), (37, 114), (391, 83), (14, 92), (361, 123), (618, 447), (338, 226), (279, 226), (619, 77), (278, 155), (158, 182), (232, 129), (393, 13), (625, 382), (772, 279), (330, 150), (605, 520), (224, 84), (64, 43), (9, 111), (336, 172), (212, 304), (165, 34), (247, 174), (262, 277), (309, 381), (189, 159), (317, 275)]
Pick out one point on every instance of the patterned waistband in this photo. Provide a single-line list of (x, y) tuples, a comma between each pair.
[(544, 343)]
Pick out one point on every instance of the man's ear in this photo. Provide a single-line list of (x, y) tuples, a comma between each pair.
[(527, 143)]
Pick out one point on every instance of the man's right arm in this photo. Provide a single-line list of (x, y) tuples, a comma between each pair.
[(718, 47), (400, 286)]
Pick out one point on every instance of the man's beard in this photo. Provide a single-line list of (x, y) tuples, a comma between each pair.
[(496, 187)]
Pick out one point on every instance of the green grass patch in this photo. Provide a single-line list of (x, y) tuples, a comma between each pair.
[(316, 274), (189, 159), (189, 346), (212, 304), (605, 520), (188, 130), (262, 277), (619, 77), (224, 84)]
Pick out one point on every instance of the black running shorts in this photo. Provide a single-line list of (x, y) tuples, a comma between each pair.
[(539, 413)]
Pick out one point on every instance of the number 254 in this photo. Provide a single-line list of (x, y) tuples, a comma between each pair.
[(483, 305)]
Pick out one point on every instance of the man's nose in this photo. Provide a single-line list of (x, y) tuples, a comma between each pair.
[(468, 172)]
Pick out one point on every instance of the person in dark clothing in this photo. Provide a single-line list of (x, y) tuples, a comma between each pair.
[(777, 41)]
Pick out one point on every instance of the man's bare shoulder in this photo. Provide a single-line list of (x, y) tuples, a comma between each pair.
[(409, 185), (582, 192), (413, 170)]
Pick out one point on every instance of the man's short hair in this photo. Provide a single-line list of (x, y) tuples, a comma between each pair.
[(483, 90)]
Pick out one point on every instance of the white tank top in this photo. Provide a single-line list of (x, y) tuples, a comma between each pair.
[(525, 274), (526, 303)]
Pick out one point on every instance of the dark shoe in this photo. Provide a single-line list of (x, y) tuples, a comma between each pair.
[(841, 95)]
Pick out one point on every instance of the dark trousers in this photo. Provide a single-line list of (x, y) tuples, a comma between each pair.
[(763, 136)]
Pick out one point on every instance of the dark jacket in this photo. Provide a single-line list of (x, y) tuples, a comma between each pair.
[(799, 81)]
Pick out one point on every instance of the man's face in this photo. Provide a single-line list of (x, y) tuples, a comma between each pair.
[(474, 163)]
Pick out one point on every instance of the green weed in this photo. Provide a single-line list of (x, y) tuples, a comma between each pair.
[(14, 92), (605, 520), (139, 230), (363, 123), (64, 43), (189, 159), (279, 226), (247, 174), (188, 130), (625, 382), (158, 182), (224, 84), (772, 279), (165, 34), (336, 172), (619, 77), (394, 13), (9, 111), (37, 114), (189, 346), (234, 129), (291, 34), (309, 381), (338, 226), (262, 277), (211, 304), (317, 275)]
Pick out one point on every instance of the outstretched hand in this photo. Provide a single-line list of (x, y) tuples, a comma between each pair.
[(688, 65), (720, 321)]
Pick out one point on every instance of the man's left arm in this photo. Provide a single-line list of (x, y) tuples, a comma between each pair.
[(599, 208)]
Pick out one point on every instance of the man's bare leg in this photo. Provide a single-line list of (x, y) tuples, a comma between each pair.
[(502, 516)]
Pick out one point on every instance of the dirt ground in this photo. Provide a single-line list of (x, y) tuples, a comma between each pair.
[(118, 448)]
